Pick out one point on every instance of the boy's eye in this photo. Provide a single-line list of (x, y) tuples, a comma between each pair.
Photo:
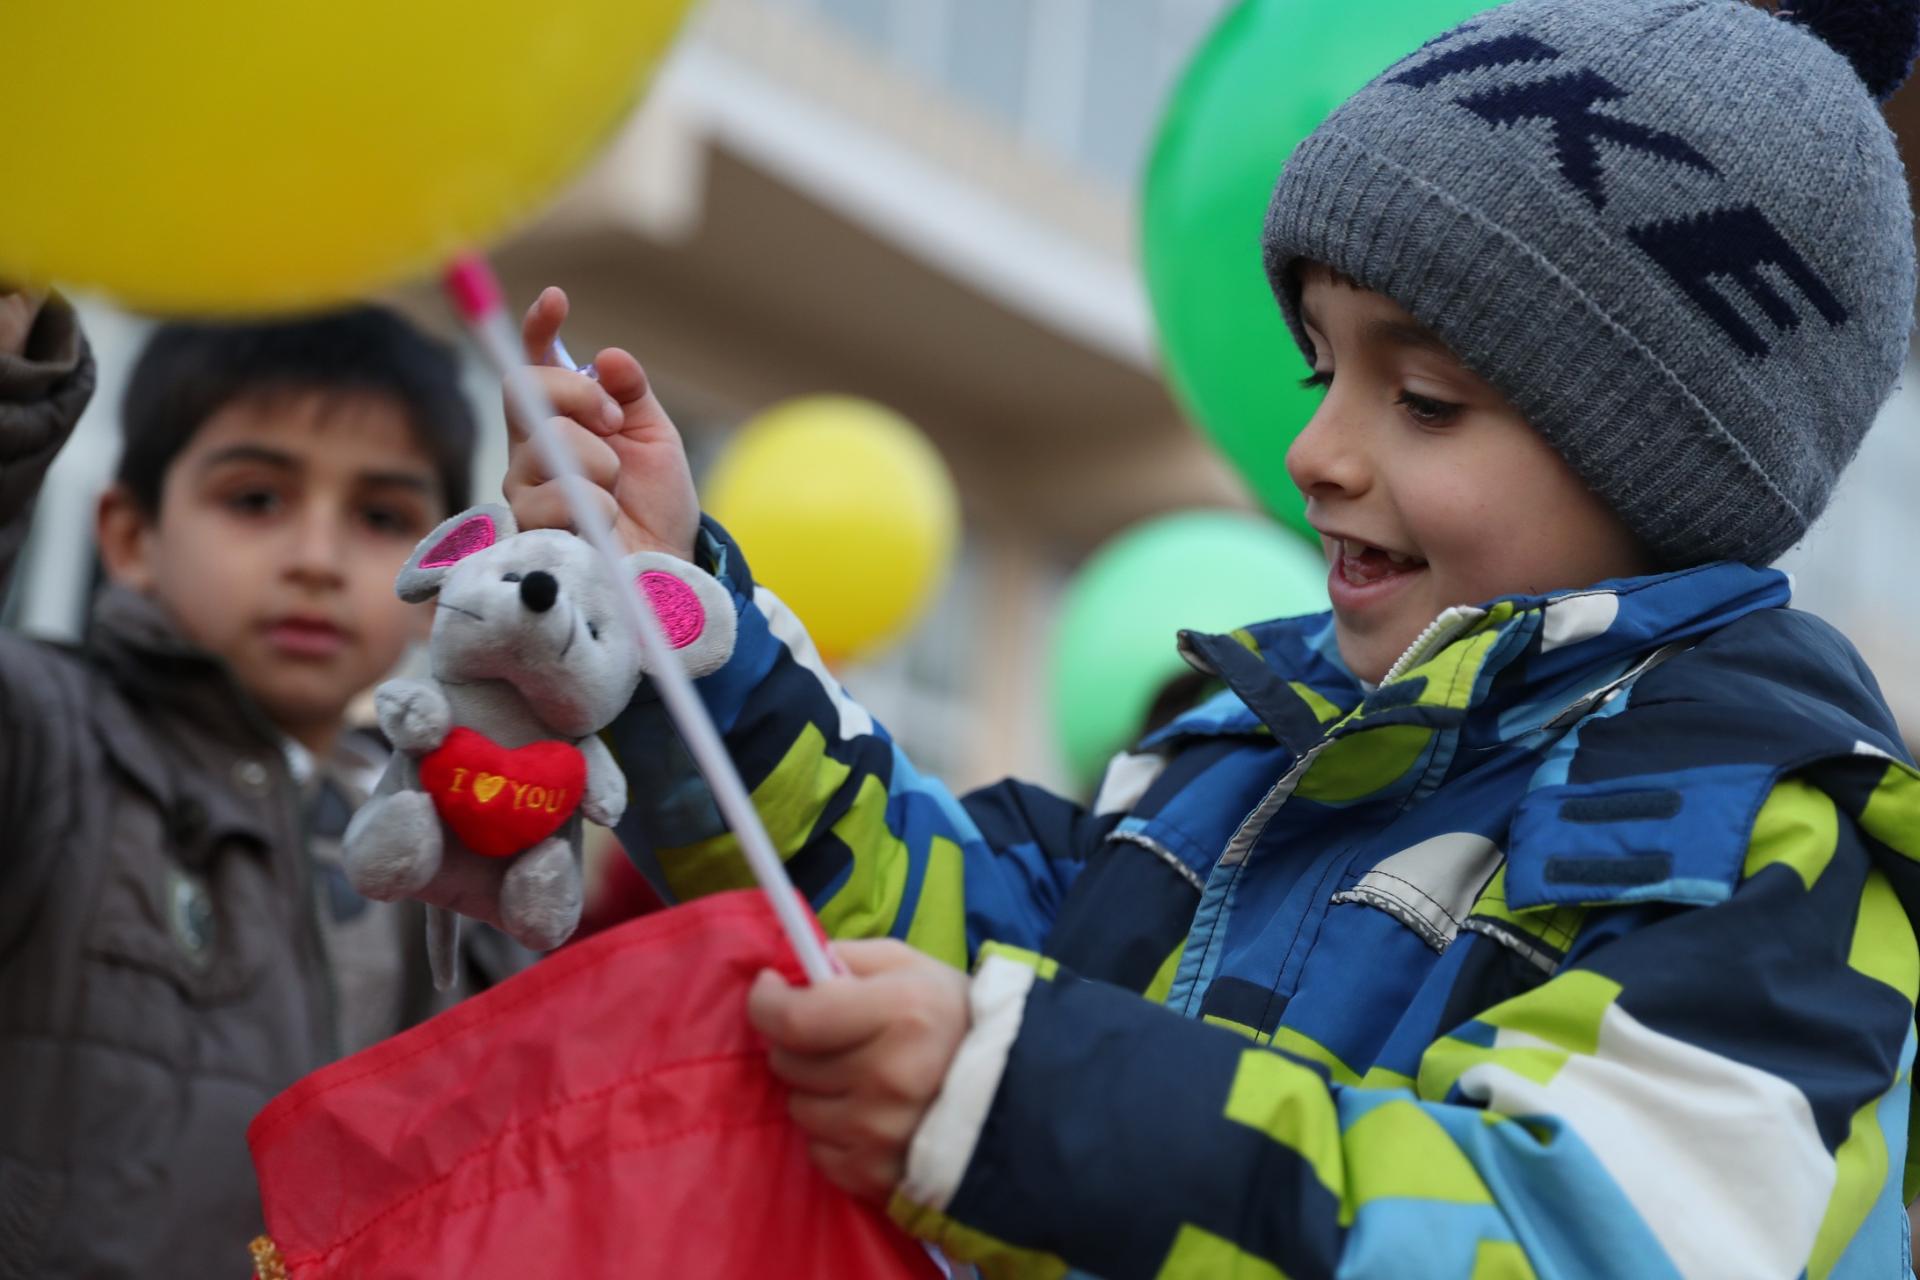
[(392, 520), (593, 629), (1318, 379), (1427, 411), (254, 502)]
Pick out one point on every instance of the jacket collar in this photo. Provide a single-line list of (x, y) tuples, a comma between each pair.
[(134, 642), (1504, 669)]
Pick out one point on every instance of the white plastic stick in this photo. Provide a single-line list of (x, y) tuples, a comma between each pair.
[(480, 305), (565, 360)]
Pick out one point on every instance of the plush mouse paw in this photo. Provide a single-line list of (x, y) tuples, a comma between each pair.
[(695, 611), (605, 798), (541, 895), (414, 715), (392, 846), (605, 801)]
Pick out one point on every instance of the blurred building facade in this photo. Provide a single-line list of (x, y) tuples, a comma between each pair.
[(931, 203)]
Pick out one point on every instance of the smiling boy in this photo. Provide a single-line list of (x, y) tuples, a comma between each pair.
[(1426, 486), (1547, 908)]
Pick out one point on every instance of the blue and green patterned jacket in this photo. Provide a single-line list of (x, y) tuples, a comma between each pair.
[(1581, 946)]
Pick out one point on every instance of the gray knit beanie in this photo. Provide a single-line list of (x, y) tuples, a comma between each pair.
[(1675, 233)]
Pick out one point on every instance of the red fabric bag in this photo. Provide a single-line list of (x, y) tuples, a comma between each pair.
[(609, 1112)]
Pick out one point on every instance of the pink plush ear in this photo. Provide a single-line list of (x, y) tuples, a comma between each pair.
[(467, 537), (679, 610)]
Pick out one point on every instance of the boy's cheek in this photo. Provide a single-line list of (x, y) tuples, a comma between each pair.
[(387, 626)]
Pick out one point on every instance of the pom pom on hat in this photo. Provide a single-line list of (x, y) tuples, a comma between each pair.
[(1881, 38)]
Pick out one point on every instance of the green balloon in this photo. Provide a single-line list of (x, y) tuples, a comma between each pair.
[(1267, 76), (1113, 647)]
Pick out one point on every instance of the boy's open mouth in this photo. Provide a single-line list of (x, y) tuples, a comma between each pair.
[(1361, 564)]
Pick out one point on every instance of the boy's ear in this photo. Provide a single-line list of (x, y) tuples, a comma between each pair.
[(123, 530), (453, 540)]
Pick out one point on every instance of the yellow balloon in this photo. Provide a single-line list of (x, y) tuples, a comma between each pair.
[(247, 155), (845, 512)]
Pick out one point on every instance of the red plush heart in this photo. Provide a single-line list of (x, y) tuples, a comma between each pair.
[(499, 801)]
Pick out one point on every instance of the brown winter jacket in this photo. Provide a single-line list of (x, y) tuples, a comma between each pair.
[(160, 976), (162, 973)]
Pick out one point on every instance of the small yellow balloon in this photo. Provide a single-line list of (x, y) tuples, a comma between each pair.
[(844, 511), (234, 156)]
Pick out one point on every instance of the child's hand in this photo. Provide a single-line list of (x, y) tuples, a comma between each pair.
[(865, 1056), (626, 444), (18, 310)]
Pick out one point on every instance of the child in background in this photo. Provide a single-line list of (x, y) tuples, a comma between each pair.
[(177, 940), (1546, 908)]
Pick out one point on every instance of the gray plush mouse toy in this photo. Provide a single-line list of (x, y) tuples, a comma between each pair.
[(495, 760)]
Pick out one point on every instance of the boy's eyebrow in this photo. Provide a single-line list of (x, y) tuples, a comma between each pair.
[(1397, 333), (419, 480), (1401, 334), (250, 453), (398, 480)]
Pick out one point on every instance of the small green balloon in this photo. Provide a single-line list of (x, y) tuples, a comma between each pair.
[(1113, 648), (1267, 76)]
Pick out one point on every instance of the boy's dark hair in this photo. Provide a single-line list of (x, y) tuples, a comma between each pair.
[(189, 372)]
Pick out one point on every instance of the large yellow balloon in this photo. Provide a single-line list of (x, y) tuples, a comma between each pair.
[(246, 155), (845, 512)]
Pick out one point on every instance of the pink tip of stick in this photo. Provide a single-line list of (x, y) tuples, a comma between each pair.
[(474, 288)]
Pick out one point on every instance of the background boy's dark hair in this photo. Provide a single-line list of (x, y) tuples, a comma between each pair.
[(189, 372)]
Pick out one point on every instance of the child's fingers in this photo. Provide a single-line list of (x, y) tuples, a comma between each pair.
[(828, 1018), (18, 310), (527, 466), (817, 1073), (856, 1172), (545, 506), (573, 397), (852, 1122), (864, 956), (829, 1117), (541, 325), (621, 375)]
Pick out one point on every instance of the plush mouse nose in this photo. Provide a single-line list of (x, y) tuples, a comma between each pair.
[(538, 591)]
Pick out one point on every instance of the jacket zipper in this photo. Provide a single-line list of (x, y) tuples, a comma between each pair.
[(1439, 633), (307, 871), (1442, 631)]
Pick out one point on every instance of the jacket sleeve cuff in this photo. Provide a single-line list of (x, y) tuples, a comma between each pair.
[(42, 394), (943, 1145), (715, 552), (44, 389), (670, 805), (54, 353)]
